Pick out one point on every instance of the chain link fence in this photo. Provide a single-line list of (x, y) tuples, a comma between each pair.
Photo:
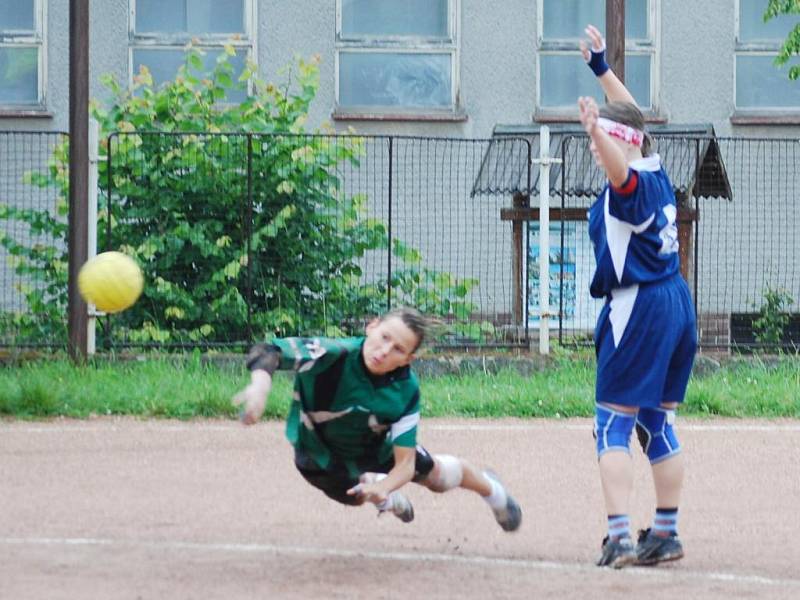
[(244, 236), (33, 226)]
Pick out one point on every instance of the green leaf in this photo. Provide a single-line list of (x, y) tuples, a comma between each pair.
[(196, 62)]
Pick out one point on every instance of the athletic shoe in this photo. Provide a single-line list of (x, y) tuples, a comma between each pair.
[(652, 549), (617, 553), (402, 507), (510, 516)]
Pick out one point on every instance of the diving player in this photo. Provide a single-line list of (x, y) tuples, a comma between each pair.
[(353, 421)]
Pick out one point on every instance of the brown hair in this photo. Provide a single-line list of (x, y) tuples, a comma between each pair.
[(413, 319), (628, 114)]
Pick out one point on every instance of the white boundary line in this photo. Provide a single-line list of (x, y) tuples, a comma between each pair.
[(683, 425), (474, 560)]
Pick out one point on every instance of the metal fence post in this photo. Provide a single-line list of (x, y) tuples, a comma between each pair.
[(389, 234), (94, 158), (526, 228), (544, 161), (248, 230), (561, 262)]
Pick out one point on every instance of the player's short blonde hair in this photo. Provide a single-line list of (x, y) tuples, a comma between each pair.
[(413, 319)]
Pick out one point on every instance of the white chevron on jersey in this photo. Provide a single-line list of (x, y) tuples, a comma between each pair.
[(622, 301), (618, 234), (669, 233)]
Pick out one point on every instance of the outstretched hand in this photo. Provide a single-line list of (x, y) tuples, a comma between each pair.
[(596, 39), (589, 113), (253, 398)]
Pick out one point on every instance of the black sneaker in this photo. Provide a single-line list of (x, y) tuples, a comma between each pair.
[(652, 549), (617, 553)]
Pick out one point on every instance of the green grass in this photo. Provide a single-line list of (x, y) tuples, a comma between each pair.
[(188, 389)]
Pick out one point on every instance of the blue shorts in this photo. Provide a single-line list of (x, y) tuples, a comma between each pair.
[(645, 340)]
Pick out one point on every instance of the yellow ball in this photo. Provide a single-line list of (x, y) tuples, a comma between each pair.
[(111, 281)]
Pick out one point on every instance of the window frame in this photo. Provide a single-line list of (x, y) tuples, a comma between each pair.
[(757, 115), (569, 47), (205, 41), (402, 44), (37, 38)]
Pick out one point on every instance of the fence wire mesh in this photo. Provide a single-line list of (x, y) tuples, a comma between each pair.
[(244, 236), (33, 227)]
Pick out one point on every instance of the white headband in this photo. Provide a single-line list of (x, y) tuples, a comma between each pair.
[(621, 131)]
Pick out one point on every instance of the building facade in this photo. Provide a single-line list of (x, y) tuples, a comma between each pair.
[(452, 68), (470, 71)]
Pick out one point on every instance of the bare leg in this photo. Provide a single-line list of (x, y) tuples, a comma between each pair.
[(445, 476), (668, 476), (668, 480), (474, 480), (450, 472), (661, 542), (616, 475)]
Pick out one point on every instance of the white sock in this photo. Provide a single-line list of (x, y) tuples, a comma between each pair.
[(497, 499), (387, 504)]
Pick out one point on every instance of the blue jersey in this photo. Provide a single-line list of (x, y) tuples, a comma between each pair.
[(633, 229)]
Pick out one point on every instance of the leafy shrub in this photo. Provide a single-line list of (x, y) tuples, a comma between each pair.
[(773, 318), (239, 234)]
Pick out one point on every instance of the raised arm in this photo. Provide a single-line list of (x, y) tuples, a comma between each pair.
[(262, 360), (595, 56), (301, 354), (612, 158)]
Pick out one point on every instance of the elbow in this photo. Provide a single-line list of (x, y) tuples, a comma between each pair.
[(263, 358), (617, 180)]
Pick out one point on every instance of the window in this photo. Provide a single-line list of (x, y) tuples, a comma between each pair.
[(760, 85), (396, 57), (21, 54), (563, 75), (160, 30)]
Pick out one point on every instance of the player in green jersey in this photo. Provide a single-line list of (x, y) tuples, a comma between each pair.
[(354, 416)]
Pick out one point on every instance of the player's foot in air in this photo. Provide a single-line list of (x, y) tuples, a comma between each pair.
[(617, 553), (402, 507), (509, 517), (652, 549)]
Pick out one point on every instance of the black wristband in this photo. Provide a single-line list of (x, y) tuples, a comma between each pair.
[(265, 357)]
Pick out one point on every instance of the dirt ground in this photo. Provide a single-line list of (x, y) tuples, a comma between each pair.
[(119, 508)]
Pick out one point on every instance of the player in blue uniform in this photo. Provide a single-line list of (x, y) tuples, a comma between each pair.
[(354, 416), (645, 339)]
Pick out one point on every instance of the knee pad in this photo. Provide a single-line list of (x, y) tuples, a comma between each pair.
[(612, 429), (449, 473), (655, 433), (423, 464)]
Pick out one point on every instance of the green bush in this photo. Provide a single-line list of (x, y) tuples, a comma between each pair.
[(771, 324), (237, 233)]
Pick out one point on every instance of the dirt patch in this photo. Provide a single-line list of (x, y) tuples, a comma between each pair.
[(121, 508)]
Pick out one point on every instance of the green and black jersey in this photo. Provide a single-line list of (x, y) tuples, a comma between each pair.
[(342, 412)]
